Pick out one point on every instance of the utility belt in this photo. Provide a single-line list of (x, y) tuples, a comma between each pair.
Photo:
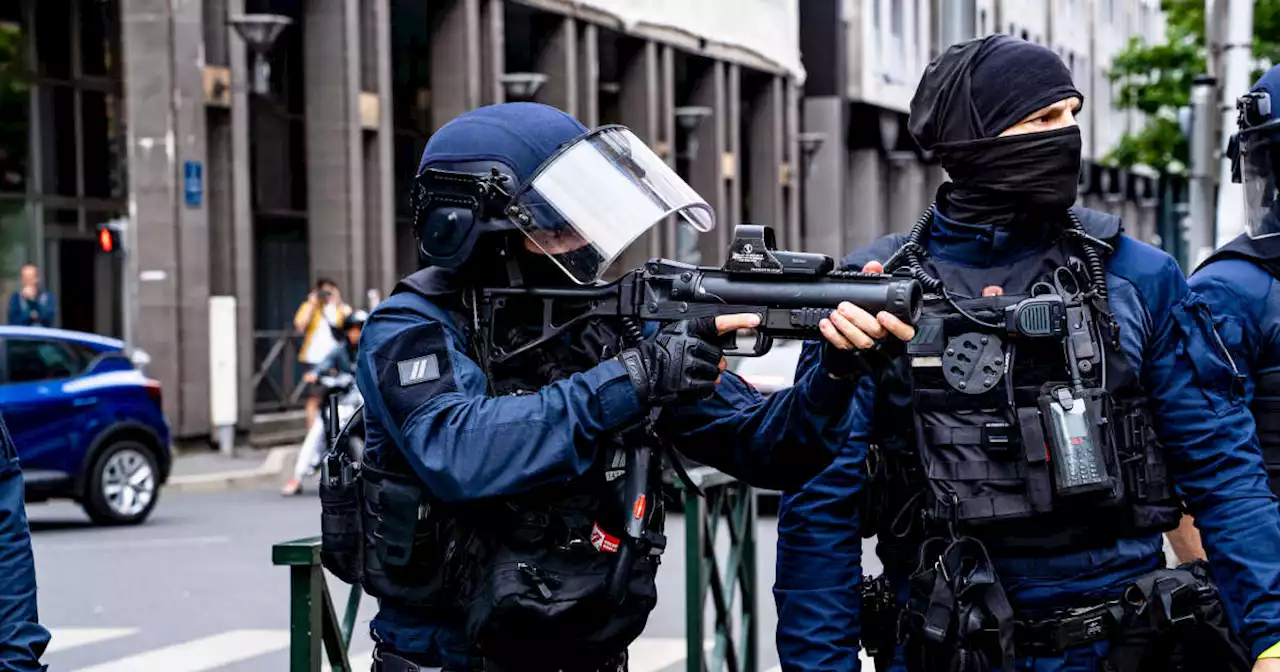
[(1169, 620)]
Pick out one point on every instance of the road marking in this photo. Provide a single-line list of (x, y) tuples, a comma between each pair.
[(202, 654), (120, 544), (70, 638)]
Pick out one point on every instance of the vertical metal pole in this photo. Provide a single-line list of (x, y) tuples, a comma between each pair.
[(1237, 61), (1203, 171), (304, 623), (750, 617), (694, 512)]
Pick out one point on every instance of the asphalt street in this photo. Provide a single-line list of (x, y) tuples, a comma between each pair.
[(194, 589)]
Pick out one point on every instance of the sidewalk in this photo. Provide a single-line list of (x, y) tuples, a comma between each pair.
[(210, 471)]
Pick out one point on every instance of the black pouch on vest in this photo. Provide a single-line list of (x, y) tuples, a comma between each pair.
[(341, 529), (556, 602), (1080, 450), (408, 547)]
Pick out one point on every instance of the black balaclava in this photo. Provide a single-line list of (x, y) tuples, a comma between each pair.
[(971, 94)]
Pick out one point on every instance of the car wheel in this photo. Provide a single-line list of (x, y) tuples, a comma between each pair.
[(123, 485)]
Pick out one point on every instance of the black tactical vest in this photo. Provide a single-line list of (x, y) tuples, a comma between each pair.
[(979, 401), (528, 572), (1265, 254)]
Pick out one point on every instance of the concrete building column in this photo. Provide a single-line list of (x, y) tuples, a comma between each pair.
[(865, 206), (733, 152), (825, 181), (768, 133), (640, 109), (380, 177), (664, 245), (707, 167), (456, 62), (241, 216), (792, 159), (493, 55), (589, 75), (558, 60), (906, 190), (170, 239), (335, 166)]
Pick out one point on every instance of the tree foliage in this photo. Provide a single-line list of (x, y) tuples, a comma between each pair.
[(1155, 79)]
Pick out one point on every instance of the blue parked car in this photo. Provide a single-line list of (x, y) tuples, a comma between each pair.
[(86, 420)]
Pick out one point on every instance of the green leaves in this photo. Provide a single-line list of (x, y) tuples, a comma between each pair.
[(1155, 79)]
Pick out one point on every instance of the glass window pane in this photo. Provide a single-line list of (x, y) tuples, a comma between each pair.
[(15, 244), (58, 141), (97, 48), (32, 360), (15, 109), (53, 39), (100, 128)]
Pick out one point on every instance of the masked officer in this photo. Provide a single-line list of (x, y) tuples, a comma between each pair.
[(22, 638), (1018, 466), (501, 460), (1237, 280)]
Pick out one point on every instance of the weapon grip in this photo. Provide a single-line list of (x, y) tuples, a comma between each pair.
[(729, 344)]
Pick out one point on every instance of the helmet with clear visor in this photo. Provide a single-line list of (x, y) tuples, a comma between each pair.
[(1255, 155), (598, 194)]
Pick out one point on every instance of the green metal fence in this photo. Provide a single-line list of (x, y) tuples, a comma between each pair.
[(313, 621), (718, 586), (729, 505)]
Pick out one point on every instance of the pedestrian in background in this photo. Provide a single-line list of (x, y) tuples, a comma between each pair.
[(319, 319), (32, 305)]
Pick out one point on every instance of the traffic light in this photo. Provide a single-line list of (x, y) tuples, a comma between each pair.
[(111, 238)]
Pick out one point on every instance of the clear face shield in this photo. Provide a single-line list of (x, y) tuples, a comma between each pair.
[(1255, 154), (597, 195), (1259, 159)]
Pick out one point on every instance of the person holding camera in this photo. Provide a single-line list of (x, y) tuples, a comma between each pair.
[(319, 319)]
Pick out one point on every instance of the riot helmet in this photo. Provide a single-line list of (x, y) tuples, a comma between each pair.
[(578, 197), (1255, 154)]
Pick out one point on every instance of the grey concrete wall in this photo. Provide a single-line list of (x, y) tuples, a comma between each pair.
[(866, 195), (493, 51), (734, 179), (241, 220), (640, 109), (383, 274), (588, 75)]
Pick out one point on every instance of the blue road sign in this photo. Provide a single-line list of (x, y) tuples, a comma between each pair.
[(193, 183)]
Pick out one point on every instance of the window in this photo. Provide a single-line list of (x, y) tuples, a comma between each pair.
[(31, 360)]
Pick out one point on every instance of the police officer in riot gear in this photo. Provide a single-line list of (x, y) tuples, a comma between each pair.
[(1019, 465), (1238, 280), (492, 516)]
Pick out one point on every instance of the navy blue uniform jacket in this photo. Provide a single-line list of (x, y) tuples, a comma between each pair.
[(1167, 332), (426, 397), (22, 638)]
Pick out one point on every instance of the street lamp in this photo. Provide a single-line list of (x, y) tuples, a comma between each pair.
[(810, 143), (522, 86), (260, 31)]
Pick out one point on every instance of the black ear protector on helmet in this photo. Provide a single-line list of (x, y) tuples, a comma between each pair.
[(454, 205), (1256, 116)]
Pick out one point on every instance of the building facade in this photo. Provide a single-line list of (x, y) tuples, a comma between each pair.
[(146, 111), (149, 111), (863, 60)]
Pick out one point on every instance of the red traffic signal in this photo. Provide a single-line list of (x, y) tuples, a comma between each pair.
[(109, 238)]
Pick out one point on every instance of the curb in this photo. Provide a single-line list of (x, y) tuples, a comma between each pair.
[(277, 461)]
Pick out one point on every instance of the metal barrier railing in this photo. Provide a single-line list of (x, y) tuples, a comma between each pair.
[(729, 506), (277, 377), (731, 503), (313, 621)]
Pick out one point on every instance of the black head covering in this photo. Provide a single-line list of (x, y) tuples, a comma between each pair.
[(980, 88), (971, 94)]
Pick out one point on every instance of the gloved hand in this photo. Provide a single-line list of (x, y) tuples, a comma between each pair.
[(681, 364)]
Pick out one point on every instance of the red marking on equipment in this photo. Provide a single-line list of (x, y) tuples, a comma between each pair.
[(638, 510), (1075, 440), (602, 540)]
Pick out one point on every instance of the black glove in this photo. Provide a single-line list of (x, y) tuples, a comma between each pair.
[(681, 364)]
